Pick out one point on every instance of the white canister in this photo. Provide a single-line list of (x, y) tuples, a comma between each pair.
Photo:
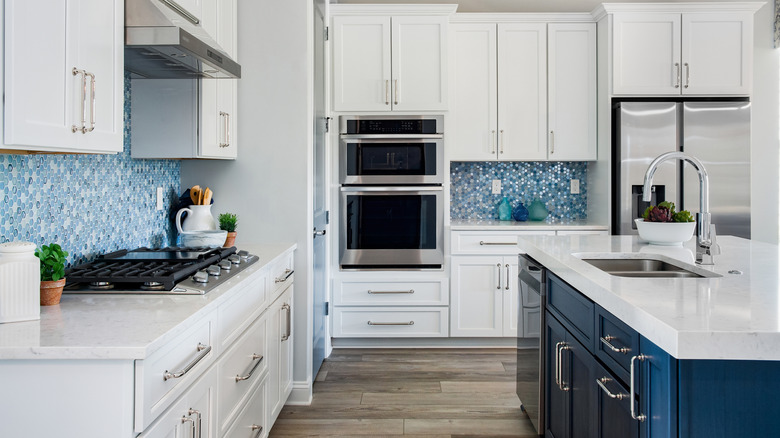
[(20, 282)]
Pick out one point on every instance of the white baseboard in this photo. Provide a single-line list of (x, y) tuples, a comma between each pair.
[(301, 394)]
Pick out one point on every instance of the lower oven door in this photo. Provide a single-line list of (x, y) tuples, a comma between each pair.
[(392, 227)]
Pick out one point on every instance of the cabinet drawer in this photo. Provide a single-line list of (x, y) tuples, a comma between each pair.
[(395, 293), (573, 310), (240, 368), (390, 322), (613, 406), (162, 377), (490, 242), (251, 421), (239, 312), (281, 274), (616, 342)]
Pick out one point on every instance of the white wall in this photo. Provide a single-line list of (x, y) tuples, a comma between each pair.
[(268, 186)]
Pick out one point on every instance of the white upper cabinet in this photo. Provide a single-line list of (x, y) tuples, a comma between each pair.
[(64, 76), (694, 49), (389, 58), (571, 93), (523, 91)]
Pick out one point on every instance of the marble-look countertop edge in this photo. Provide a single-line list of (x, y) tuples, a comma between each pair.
[(496, 225), (14, 335)]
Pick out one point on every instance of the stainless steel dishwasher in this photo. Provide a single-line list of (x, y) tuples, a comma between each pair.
[(530, 357)]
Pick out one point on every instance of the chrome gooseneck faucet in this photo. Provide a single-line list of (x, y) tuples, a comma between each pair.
[(706, 246)]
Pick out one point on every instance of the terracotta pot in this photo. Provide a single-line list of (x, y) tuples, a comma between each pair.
[(231, 239), (51, 292)]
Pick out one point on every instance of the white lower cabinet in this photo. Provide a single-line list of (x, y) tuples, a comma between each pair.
[(251, 421), (280, 350), (484, 296), (390, 322)]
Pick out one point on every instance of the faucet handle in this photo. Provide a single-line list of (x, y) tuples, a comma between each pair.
[(714, 247)]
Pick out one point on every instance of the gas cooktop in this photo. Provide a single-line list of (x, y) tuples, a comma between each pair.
[(172, 270)]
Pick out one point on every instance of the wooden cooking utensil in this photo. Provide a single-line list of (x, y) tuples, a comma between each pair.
[(195, 194), (207, 194)]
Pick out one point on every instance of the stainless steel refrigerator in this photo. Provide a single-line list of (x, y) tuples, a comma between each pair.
[(715, 132)]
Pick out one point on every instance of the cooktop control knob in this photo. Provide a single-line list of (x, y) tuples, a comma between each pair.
[(226, 265), (201, 277), (214, 270), (244, 255), (235, 259)]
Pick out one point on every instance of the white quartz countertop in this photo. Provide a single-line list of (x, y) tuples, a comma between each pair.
[(729, 317), (496, 225), (95, 326)]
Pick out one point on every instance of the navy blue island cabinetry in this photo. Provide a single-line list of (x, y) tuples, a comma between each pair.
[(589, 385)]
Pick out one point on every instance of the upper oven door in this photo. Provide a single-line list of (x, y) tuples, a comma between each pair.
[(372, 159)]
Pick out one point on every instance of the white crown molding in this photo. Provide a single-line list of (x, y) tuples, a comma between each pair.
[(391, 9), (610, 8), (522, 17)]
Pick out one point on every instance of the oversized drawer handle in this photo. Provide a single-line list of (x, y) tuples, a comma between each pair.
[(286, 307), (204, 350), (483, 243), (287, 273), (200, 423), (602, 382), (639, 417), (390, 323), (258, 428), (255, 356), (410, 291), (605, 340)]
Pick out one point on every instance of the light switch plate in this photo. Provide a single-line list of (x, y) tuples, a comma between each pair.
[(575, 186), (496, 187), (159, 198)]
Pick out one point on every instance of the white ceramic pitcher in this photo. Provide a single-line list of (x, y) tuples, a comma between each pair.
[(198, 218)]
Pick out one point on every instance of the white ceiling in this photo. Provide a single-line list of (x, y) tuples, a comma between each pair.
[(508, 5)]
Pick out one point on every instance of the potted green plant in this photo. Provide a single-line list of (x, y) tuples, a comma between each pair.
[(228, 222), (52, 259)]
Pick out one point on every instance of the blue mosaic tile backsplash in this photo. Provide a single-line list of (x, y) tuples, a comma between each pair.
[(471, 196), (89, 204)]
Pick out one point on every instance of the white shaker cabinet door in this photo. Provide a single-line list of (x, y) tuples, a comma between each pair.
[(572, 91), (522, 85), (511, 295), (361, 63), (477, 296), (646, 53), (717, 53), (473, 115), (419, 66)]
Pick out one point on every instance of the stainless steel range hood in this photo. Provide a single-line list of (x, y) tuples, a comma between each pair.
[(164, 41)]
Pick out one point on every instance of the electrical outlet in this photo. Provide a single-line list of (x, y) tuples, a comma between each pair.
[(159, 198), (496, 187), (575, 186)]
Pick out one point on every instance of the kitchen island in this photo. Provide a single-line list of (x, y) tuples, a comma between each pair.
[(100, 365), (660, 357)]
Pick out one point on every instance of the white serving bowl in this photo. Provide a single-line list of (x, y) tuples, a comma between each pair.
[(665, 233), (203, 238)]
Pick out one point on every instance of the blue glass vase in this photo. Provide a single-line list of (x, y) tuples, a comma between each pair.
[(537, 211), (504, 210), (520, 213)]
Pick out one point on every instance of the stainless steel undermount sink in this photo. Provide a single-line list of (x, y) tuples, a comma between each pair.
[(644, 266)]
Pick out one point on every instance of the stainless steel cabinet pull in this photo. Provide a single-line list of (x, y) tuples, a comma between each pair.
[(203, 349), (678, 75), (602, 382), (397, 93), (482, 242), (501, 140), (227, 128), (93, 102), (499, 276), (319, 233), (493, 146), (185, 419), (258, 428), (287, 273), (225, 122), (687, 75), (288, 332), (181, 11), (639, 417), (605, 340), (559, 347), (387, 92), (552, 142), (255, 357), (390, 323), (506, 286), (83, 127), (410, 291), (199, 429)]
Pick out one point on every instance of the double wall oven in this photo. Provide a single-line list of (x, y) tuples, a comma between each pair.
[(391, 173)]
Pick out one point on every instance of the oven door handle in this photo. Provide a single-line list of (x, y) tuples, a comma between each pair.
[(391, 136), (353, 189)]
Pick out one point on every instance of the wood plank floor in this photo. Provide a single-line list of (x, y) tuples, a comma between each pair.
[(430, 393)]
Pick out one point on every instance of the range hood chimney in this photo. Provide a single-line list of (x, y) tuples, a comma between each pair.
[(164, 41)]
